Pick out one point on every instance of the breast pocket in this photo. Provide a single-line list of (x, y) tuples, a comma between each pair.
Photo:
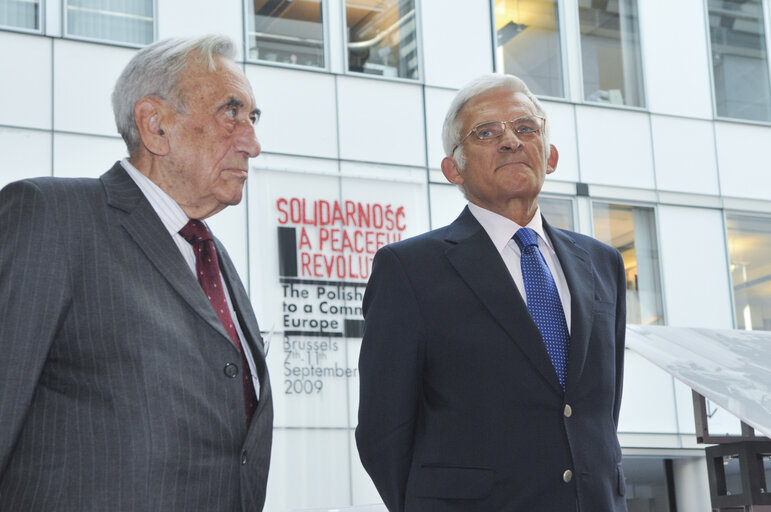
[(604, 308)]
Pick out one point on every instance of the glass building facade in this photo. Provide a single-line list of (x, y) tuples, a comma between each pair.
[(663, 165)]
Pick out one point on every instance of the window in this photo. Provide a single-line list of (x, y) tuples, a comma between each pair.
[(749, 244), (631, 230), (610, 52), (286, 31), (528, 44), (739, 59), (558, 212), (382, 37), (20, 14), (111, 20)]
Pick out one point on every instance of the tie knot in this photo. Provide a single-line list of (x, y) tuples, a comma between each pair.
[(195, 231), (525, 237)]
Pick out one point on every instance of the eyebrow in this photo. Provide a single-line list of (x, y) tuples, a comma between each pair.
[(235, 102)]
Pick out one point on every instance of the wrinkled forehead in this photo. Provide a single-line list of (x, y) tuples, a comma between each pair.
[(496, 105), (227, 79)]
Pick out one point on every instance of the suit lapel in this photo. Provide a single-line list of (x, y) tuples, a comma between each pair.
[(576, 265), (479, 264), (148, 232)]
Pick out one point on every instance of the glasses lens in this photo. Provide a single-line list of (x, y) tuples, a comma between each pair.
[(489, 130), (527, 127)]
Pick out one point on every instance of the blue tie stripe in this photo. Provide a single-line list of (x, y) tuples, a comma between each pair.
[(543, 301)]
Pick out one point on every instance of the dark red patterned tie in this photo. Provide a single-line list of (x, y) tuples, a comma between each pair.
[(208, 273)]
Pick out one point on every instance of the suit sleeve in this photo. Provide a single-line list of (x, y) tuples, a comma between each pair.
[(33, 300), (390, 365), (620, 334)]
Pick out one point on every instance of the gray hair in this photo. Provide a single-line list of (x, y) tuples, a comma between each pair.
[(155, 71), (451, 129)]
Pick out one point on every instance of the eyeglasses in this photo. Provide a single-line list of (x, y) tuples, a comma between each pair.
[(526, 128)]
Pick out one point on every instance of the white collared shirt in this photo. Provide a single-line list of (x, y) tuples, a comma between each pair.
[(501, 230), (174, 218)]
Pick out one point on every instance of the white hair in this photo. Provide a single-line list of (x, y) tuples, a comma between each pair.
[(451, 129), (155, 71)]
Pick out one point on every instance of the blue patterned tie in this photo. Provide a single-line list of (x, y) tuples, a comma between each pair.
[(543, 301)]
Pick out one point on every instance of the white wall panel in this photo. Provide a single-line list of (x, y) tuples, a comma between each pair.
[(456, 41), (684, 155), (298, 111), (562, 133), (447, 201), (77, 156), (204, 17), (648, 405), (381, 121), (437, 103), (308, 469), (84, 77), (694, 267), (614, 147), (742, 160), (25, 86), (675, 57), (229, 226), (24, 154)]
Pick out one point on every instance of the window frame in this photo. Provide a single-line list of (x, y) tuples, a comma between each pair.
[(40, 22), (325, 35), (418, 42), (112, 42)]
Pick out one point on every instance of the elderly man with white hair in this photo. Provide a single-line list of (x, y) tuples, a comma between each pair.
[(492, 359), (133, 373)]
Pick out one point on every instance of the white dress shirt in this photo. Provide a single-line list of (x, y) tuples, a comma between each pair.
[(501, 230), (174, 218)]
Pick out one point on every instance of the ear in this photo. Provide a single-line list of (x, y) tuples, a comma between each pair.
[(551, 162), (149, 116), (451, 171)]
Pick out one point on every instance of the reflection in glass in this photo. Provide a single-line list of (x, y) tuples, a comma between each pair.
[(749, 246), (610, 52), (648, 477), (558, 212), (287, 31), (528, 43), (382, 38), (20, 14), (739, 59), (631, 230), (111, 20)]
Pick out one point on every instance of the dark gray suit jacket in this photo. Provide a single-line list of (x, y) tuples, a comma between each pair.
[(112, 389), (460, 408)]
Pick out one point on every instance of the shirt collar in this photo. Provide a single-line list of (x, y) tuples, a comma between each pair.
[(171, 214), (500, 229)]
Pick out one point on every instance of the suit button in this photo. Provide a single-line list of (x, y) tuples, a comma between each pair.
[(567, 476), (568, 412), (243, 458), (231, 370)]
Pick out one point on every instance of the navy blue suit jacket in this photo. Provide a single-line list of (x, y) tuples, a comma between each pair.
[(460, 406)]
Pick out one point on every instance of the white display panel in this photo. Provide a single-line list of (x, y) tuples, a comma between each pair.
[(683, 155), (677, 75), (456, 41), (25, 90), (84, 77), (79, 156), (742, 161), (694, 267), (648, 404), (614, 147), (221, 17), (24, 154), (437, 103), (299, 111), (562, 134), (381, 121)]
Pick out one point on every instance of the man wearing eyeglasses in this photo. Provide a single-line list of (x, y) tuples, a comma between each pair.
[(492, 359)]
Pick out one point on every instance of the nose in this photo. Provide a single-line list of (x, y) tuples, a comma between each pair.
[(247, 141), (509, 140)]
